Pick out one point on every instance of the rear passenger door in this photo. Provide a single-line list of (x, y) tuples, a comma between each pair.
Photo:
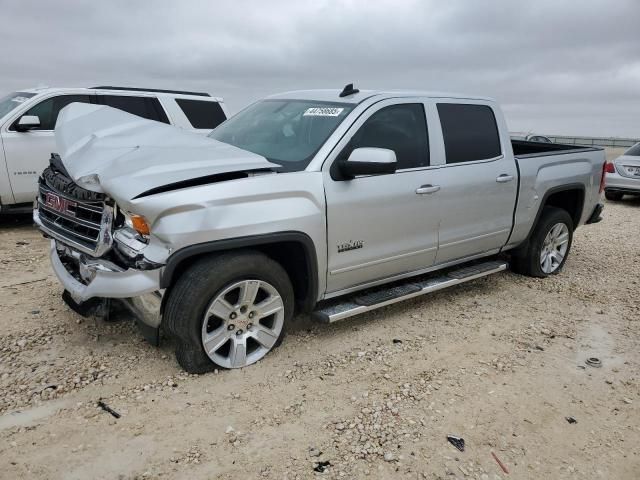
[(145, 107), (477, 179)]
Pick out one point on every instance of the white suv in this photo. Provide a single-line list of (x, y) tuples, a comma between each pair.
[(28, 118)]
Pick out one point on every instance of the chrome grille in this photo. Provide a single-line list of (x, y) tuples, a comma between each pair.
[(80, 224)]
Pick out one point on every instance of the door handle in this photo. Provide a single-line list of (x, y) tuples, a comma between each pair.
[(504, 178), (427, 189)]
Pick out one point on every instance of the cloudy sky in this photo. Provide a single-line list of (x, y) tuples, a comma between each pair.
[(557, 67)]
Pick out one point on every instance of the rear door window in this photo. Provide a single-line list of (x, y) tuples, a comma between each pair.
[(470, 132), (145, 107), (206, 115), (48, 110)]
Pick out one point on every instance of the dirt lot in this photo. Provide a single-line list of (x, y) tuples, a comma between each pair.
[(499, 361)]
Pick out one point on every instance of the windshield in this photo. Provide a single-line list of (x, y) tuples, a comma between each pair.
[(13, 100), (634, 151), (286, 132)]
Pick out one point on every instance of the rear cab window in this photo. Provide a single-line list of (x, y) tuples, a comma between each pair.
[(470, 132), (202, 114)]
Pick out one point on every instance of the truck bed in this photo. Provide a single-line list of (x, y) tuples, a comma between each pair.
[(545, 168), (524, 149)]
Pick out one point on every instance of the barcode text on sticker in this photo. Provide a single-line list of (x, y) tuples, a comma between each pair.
[(323, 112)]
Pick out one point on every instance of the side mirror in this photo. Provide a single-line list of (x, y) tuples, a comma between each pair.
[(28, 122), (369, 161)]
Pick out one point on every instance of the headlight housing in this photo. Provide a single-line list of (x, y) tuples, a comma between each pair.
[(133, 235), (129, 242)]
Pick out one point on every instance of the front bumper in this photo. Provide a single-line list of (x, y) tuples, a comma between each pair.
[(614, 182), (106, 281), (89, 279)]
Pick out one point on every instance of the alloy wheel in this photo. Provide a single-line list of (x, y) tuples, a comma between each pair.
[(242, 323), (554, 248)]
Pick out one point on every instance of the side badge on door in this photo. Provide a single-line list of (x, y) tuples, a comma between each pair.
[(350, 245)]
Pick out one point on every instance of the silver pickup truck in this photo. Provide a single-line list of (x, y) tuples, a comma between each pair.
[(330, 202)]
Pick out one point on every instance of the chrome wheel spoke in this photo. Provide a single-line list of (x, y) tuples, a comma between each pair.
[(543, 255), (221, 308), (558, 256), (562, 239), (238, 353), (269, 306), (216, 339), (248, 292), (264, 336)]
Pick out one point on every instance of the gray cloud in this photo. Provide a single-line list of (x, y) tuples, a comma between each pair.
[(557, 67)]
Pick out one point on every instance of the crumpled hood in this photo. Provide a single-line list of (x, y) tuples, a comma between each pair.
[(131, 155)]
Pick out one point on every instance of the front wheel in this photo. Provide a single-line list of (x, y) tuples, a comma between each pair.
[(228, 311), (548, 248)]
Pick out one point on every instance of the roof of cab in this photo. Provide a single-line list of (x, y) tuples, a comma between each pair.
[(333, 95)]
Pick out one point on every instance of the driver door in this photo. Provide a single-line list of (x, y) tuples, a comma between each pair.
[(381, 226)]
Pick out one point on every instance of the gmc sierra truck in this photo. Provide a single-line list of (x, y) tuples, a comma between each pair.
[(329, 202)]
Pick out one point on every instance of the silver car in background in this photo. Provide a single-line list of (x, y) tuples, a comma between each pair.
[(623, 175), (529, 137)]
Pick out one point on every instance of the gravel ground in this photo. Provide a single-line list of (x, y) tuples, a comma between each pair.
[(499, 361)]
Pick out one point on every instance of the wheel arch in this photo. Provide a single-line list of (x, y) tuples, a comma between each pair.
[(568, 197), (295, 251)]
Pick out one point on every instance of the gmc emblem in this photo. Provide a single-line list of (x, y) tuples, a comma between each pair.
[(60, 204)]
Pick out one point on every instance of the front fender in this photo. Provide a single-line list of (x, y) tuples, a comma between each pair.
[(259, 208)]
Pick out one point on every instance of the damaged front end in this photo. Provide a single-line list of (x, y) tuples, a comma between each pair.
[(96, 203), (98, 258)]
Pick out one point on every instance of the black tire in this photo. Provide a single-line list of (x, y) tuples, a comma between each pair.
[(526, 259), (613, 196), (195, 289)]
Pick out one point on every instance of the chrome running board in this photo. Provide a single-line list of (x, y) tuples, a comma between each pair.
[(371, 299)]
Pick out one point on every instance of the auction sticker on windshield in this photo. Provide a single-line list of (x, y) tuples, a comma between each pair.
[(323, 112)]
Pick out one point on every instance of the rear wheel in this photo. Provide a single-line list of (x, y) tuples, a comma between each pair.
[(613, 196), (548, 248), (228, 311)]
